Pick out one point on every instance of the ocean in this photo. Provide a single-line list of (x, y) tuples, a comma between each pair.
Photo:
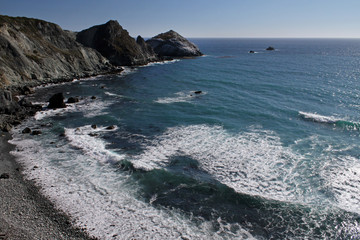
[(268, 150)]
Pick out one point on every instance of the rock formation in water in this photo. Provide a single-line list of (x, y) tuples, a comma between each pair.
[(172, 44), (33, 52), (114, 43)]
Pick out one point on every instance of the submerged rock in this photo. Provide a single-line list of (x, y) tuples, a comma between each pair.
[(73, 100), (111, 127), (57, 101), (270, 48), (173, 44)]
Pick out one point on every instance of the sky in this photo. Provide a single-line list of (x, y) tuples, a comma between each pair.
[(201, 18)]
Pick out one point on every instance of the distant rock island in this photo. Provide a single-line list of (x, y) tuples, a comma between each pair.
[(35, 52)]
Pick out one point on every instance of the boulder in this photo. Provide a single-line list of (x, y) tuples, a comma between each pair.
[(7, 104), (57, 101), (36, 132), (111, 127), (72, 100), (26, 130), (5, 176), (172, 44)]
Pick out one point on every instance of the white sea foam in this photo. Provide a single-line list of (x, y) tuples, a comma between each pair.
[(85, 139), (76, 175), (161, 63), (184, 96), (344, 183), (89, 107), (318, 118), (114, 95), (254, 162)]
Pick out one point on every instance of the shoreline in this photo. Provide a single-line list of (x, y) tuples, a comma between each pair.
[(26, 213)]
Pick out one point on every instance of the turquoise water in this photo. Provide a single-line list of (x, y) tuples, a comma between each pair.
[(268, 150)]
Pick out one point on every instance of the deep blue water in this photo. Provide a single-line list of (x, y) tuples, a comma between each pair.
[(268, 150)]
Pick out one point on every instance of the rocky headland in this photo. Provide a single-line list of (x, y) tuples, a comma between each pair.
[(34, 52), (172, 44)]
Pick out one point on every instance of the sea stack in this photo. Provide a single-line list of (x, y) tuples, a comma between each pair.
[(172, 44)]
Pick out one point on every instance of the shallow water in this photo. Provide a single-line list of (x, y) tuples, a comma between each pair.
[(268, 150)]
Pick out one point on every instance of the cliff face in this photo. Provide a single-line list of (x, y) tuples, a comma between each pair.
[(113, 42), (172, 44), (33, 51)]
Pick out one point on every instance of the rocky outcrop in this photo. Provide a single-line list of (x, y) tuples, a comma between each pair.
[(114, 43), (57, 101), (172, 44), (33, 52), (13, 112)]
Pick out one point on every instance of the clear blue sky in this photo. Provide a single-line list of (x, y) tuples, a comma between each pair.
[(201, 18)]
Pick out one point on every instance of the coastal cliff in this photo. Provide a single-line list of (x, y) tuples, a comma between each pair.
[(33, 52)]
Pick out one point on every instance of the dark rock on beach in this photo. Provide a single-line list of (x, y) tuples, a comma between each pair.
[(13, 112), (173, 44), (26, 130), (5, 176), (57, 101)]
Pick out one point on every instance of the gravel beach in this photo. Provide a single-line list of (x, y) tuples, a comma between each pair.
[(24, 212)]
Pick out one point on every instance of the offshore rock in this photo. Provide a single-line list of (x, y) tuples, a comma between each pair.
[(57, 101), (73, 100), (35, 52), (172, 44), (114, 43)]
